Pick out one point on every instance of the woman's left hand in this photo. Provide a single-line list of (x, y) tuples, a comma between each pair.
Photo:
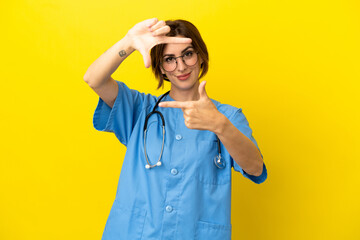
[(201, 114)]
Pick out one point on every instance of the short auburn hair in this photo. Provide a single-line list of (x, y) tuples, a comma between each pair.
[(179, 28)]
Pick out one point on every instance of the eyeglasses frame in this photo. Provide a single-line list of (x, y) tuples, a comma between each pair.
[(182, 58)]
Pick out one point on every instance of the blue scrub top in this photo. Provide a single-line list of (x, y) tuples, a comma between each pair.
[(187, 197)]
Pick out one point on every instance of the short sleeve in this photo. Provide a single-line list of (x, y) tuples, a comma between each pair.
[(240, 122), (121, 118)]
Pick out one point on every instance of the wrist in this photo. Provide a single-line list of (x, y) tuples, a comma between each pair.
[(128, 43), (220, 124)]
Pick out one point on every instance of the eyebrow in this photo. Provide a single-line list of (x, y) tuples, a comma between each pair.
[(181, 51)]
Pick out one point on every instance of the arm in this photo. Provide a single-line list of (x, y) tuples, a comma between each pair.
[(98, 75), (142, 37), (240, 147)]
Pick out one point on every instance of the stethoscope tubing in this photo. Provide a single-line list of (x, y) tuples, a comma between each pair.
[(217, 160)]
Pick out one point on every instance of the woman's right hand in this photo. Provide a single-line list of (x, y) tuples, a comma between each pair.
[(146, 34)]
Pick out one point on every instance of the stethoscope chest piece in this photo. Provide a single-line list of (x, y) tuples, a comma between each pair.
[(217, 159), (219, 162)]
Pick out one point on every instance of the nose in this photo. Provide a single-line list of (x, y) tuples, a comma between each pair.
[(181, 66)]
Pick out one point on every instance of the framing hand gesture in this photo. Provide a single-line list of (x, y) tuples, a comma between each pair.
[(146, 34)]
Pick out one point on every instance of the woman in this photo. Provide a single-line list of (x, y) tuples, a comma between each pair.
[(175, 181)]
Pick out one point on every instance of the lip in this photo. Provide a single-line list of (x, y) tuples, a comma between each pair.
[(184, 76)]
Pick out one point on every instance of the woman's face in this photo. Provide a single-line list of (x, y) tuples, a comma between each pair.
[(184, 77)]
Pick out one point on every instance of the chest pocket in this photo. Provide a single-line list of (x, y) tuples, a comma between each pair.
[(206, 171)]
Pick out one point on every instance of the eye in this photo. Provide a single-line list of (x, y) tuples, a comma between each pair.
[(189, 53), (169, 59)]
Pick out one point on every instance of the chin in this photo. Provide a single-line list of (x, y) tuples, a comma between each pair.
[(185, 85)]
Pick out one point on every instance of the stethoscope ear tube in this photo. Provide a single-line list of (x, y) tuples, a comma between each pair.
[(158, 163)]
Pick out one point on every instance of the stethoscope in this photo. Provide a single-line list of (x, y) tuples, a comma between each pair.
[(217, 159)]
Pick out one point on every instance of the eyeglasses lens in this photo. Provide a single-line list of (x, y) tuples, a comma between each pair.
[(170, 63)]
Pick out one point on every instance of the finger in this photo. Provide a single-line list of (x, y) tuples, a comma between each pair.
[(174, 104), (158, 25), (146, 57), (161, 31), (150, 22), (202, 91), (175, 40)]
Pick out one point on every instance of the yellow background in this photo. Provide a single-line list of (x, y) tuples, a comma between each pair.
[(293, 66)]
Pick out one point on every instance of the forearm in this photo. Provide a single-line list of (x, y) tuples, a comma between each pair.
[(103, 67), (241, 148)]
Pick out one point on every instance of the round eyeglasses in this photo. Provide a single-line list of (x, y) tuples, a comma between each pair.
[(189, 58)]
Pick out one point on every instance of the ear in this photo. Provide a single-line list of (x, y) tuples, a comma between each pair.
[(201, 61)]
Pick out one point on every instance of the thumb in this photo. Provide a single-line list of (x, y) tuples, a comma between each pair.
[(202, 90), (146, 57)]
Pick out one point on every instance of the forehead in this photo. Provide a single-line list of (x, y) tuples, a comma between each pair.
[(175, 48)]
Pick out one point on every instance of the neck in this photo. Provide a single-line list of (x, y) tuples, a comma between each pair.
[(182, 95)]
